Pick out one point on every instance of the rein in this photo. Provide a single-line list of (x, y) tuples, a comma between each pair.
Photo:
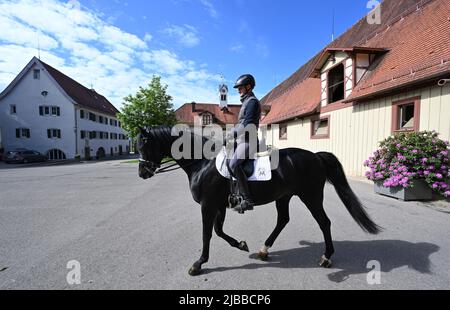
[(165, 169)]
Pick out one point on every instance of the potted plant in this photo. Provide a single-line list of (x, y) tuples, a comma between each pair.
[(411, 166)]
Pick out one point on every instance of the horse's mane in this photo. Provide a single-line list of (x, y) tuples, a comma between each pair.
[(164, 135)]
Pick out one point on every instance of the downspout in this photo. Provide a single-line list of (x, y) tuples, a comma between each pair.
[(76, 131)]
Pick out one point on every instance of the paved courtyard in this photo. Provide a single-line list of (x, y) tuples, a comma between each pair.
[(127, 233)]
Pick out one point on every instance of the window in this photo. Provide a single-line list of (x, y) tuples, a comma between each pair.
[(23, 133), (82, 114), (54, 133), (92, 135), (115, 123), (56, 111), (320, 128), (111, 122), (120, 125), (83, 134), (92, 117), (283, 132), (106, 135), (106, 121), (223, 97), (49, 111), (13, 109), (336, 84), (100, 119), (37, 74), (405, 115), (56, 155), (207, 119)]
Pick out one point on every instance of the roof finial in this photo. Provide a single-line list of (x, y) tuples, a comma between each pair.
[(332, 27), (39, 47)]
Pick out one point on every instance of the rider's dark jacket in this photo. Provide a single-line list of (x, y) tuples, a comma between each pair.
[(250, 114)]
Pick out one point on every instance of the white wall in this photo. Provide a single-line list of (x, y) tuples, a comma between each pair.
[(95, 144), (356, 131), (27, 97)]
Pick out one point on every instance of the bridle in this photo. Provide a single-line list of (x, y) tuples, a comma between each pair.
[(154, 169)]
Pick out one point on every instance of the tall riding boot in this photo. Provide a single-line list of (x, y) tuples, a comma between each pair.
[(248, 203)]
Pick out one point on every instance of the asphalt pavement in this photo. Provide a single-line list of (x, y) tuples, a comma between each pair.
[(127, 233)]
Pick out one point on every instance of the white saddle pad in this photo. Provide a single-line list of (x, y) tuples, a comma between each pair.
[(262, 172)]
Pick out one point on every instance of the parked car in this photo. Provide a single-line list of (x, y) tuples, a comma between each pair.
[(24, 156)]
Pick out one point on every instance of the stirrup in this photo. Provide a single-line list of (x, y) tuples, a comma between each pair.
[(243, 207)]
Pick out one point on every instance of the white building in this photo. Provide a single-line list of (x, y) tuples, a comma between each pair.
[(47, 111)]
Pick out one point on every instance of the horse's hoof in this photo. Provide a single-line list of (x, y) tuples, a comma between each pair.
[(325, 262), (243, 246), (263, 256), (194, 271)]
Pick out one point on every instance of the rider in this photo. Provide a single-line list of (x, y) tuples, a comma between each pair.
[(250, 114)]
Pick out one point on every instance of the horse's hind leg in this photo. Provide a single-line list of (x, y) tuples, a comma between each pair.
[(282, 221), (218, 228), (314, 202)]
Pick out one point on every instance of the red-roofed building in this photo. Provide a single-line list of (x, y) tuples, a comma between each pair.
[(47, 111), (374, 80)]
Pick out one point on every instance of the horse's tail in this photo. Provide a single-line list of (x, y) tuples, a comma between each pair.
[(336, 176)]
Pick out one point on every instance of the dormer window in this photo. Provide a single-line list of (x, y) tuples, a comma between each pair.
[(207, 120), (336, 86)]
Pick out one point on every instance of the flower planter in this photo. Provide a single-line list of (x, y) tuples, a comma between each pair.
[(420, 191)]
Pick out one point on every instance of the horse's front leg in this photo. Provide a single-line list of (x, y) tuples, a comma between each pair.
[(209, 213), (218, 227)]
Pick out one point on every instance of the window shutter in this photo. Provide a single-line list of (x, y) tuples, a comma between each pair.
[(49, 133), (58, 111), (28, 133), (41, 110), (59, 134), (17, 133)]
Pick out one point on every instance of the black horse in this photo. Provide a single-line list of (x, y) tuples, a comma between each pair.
[(300, 173)]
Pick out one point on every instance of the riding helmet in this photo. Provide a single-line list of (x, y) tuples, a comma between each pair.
[(246, 79)]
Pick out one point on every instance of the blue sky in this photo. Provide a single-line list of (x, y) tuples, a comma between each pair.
[(117, 46)]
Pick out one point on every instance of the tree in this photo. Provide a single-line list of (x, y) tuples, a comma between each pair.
[(151, 106)]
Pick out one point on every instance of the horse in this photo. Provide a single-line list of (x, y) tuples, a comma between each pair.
[(300, 173)]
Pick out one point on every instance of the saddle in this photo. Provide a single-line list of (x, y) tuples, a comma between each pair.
[(258, 169)]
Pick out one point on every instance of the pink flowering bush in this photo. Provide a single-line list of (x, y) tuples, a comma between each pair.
[(408, 156)]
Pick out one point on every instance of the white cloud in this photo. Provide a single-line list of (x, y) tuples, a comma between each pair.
[(237, 48), (210, 7), (148, 37), (12, 31), (163, 61), (262, 49), (81, 44), (185, 35)]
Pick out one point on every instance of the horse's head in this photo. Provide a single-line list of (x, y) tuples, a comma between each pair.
[(150, 150)]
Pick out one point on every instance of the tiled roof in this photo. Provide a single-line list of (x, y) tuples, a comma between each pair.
[(301, 101), (419, 48), (230, 117), (88, 98), (416, 33)]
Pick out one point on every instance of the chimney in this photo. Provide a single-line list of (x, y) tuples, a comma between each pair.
[(193, 106)]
